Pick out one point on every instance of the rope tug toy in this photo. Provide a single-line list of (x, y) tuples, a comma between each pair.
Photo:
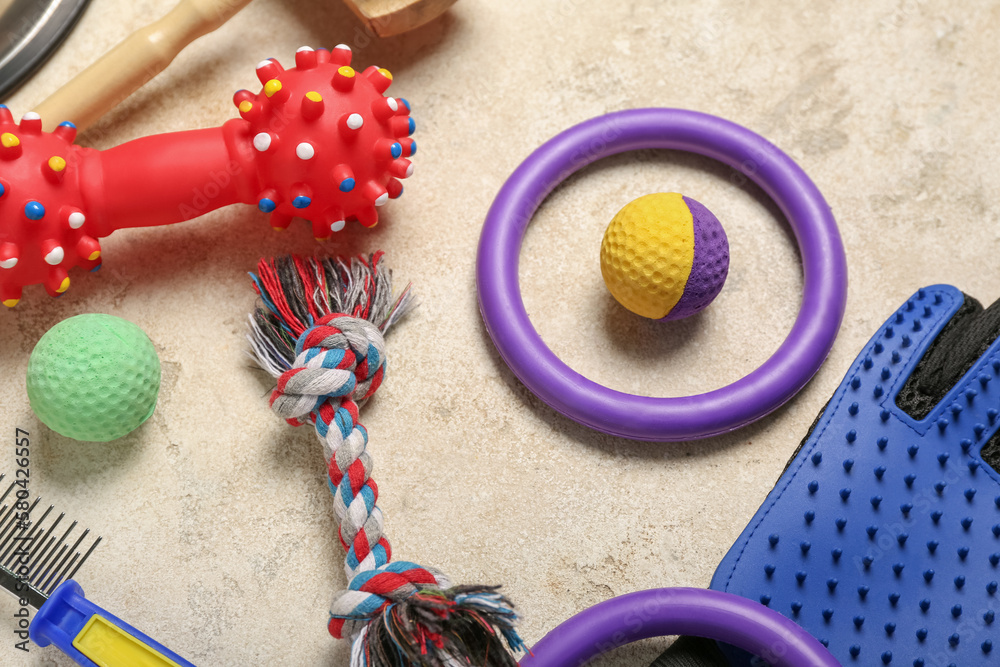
[(320, 334), (319, 141)]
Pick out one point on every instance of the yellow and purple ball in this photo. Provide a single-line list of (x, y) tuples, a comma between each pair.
[(665, 256)]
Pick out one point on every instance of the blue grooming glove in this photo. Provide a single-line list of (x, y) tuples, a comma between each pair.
[(882, 536)]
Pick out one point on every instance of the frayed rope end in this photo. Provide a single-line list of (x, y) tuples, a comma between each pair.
[(297, 292), (459, 626)]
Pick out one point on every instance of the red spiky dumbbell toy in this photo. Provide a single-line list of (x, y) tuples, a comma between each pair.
[(320, 141)]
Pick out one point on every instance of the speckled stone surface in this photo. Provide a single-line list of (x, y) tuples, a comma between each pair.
[(219, 535)]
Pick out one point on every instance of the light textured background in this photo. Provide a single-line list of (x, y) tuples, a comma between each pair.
[(220, 540)]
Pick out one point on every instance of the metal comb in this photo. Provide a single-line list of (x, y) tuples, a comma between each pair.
[(31, 556)]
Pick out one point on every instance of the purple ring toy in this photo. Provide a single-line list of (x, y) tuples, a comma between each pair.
[(641, 417), (679, 611)]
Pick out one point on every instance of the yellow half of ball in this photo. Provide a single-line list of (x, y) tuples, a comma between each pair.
[(647, 253)]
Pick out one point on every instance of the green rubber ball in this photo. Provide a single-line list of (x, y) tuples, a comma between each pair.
[(94, 378)]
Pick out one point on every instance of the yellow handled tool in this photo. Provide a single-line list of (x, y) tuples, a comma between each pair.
[(37, 562)]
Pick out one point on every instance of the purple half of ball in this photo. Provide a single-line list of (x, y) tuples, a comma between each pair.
[(710, 266)]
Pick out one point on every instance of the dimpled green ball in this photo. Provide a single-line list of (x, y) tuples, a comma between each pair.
[(94, 378)]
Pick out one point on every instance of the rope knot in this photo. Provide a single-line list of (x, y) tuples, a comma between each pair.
[(371, 591), (339, 358), (401, 614)]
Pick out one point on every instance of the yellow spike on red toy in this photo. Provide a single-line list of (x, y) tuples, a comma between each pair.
[(10, 296), (379, 77), (368, 217), (88, 248), (344, 79), (249, 110), (57, 282), (242, 95), (275, 91), (10, 146), (54, 168), (280, 221), (321, 230), (312, 105)]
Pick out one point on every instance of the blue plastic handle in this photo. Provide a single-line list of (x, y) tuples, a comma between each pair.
[(77, 626)]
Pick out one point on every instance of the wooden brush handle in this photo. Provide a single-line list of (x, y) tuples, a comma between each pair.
[(147, 52), (141, 56)]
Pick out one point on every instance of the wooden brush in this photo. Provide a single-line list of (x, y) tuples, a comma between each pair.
[(392, 17)]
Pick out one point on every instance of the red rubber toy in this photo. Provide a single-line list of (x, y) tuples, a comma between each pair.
[(320, 141)]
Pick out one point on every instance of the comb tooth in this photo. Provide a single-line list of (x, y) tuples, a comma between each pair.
[(3, 517), (15, 533), (58, 580), (7, 509), (47, 534), (33, 576), (18, 528), (5, 538), (36, 529), (45, 537), (34, 570), (68, 571), (28, 546), (85, 556), (72, 549), (7, 492), (45, 573)]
